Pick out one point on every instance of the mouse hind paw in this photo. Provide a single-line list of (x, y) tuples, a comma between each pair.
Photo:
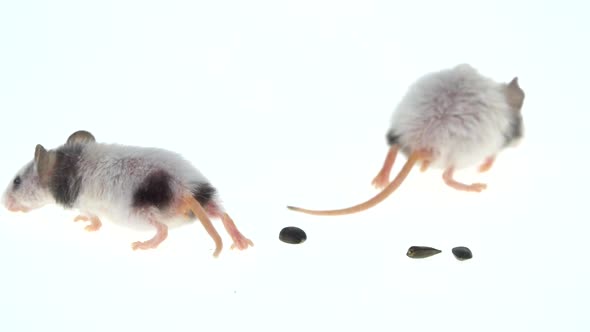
[(451, 182), (239, 240), (161, 235), (382, 179)]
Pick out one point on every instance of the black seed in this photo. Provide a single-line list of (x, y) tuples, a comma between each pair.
[(292, 235), (421, 252), (462, 253)]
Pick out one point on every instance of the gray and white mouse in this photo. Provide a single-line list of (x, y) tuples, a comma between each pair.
[(450, 119), (136, 186)]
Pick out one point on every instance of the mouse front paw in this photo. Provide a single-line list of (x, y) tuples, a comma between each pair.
[(95, 223)]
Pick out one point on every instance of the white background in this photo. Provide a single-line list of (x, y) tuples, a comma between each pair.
[(287, 103)]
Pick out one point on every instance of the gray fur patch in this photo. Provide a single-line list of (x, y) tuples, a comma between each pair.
[(392, 138), (204, 193), (65, 181), (515, 131)]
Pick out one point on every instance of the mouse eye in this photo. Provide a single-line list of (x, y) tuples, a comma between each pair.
[(17, 181)]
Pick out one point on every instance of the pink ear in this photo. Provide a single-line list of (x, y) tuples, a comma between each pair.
[(82, 137), (514, 94), (44, 162)]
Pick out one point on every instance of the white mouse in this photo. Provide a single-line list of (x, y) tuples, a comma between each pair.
[(450, 119), (135, 186)]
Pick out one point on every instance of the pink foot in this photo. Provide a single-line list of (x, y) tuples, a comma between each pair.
[(487, 165), (451, 182), (95, 223), (474, 187), (161, 235), (144, 245), (240, 241), (382, 179)]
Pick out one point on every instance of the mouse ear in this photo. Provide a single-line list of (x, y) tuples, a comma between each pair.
[(81, 137), (514, 94), (44, 162)]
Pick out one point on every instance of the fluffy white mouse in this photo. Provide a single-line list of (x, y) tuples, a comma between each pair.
[(135, 186), (450, 119)]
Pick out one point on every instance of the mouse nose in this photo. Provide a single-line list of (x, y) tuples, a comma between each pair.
[(6, 200), (11, 204)]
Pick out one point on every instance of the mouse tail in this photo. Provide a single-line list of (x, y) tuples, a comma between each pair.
[(197, 209), (401, 176)]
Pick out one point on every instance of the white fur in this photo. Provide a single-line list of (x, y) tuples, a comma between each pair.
[(456, 113), (112, 172)]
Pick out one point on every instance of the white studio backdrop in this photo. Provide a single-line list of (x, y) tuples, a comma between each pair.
[(287, 103)]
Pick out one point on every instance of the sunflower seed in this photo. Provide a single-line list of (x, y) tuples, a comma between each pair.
[(421, 252), (462, 253), (292, 235)]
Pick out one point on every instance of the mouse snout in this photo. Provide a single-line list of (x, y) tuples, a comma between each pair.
[(12, 205)]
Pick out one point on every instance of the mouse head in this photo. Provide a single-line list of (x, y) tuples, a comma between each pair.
[(29, 188), (515, 98)]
